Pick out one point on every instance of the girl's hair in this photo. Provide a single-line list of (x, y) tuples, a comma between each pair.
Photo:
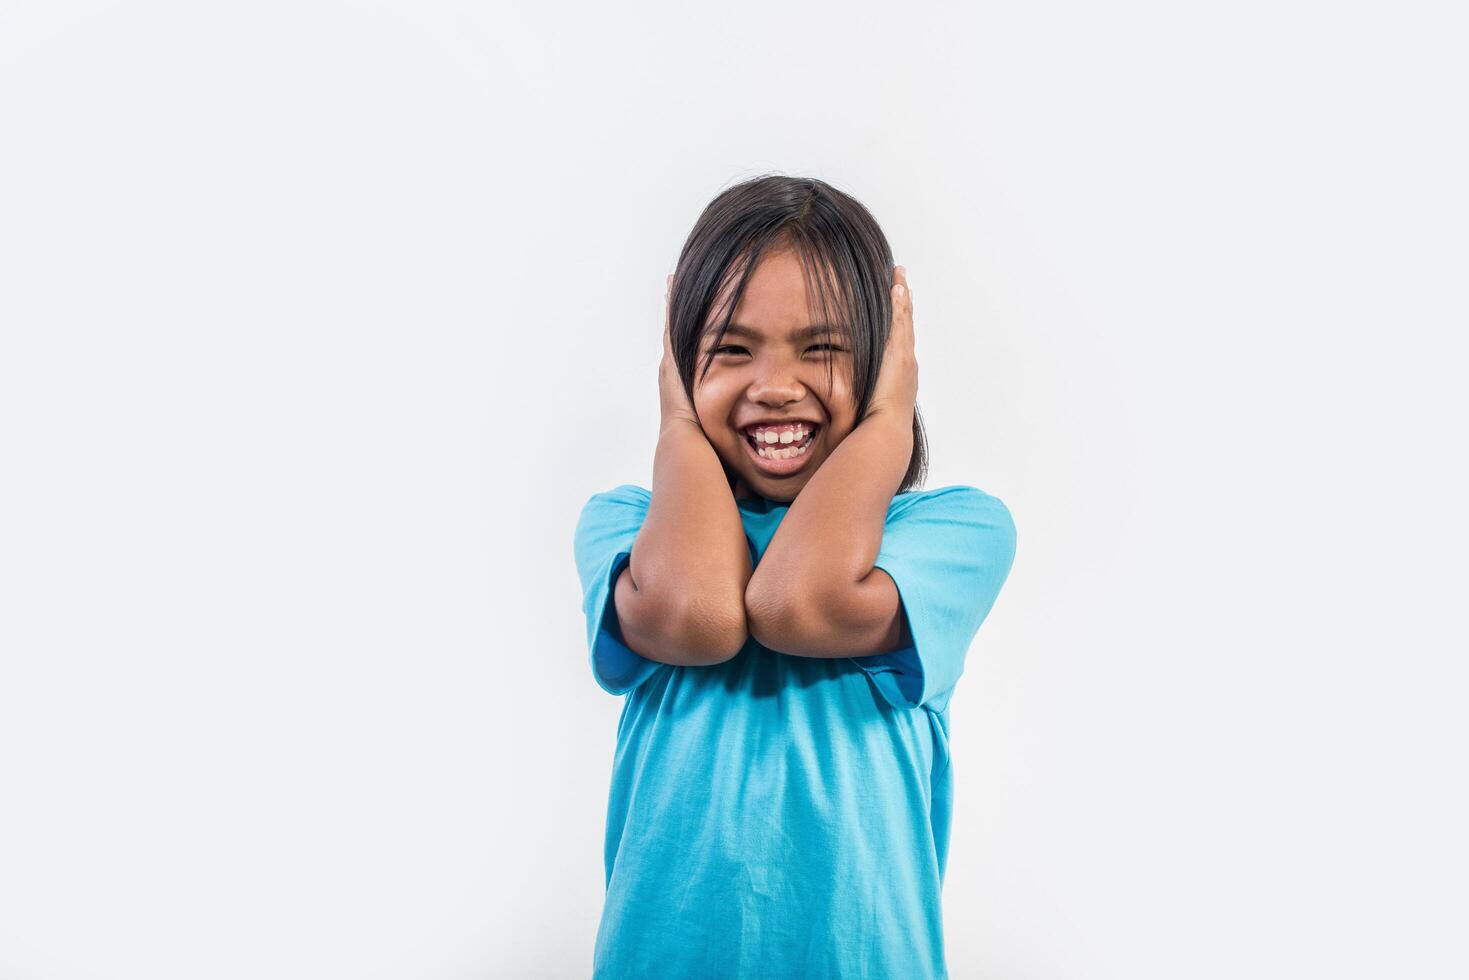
[(848, 269)]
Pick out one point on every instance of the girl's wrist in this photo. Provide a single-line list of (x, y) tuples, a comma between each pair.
[(901, 416), (671, 419)]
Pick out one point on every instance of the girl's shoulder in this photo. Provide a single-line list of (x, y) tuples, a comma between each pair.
[(943, 511), (958, 496), (623, 493)]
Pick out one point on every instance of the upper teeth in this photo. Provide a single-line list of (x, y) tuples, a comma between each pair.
[(781, 433)]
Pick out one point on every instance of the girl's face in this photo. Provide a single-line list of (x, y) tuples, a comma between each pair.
[(771, 367)]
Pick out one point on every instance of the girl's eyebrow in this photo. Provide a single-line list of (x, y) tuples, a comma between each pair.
[(804, 333)]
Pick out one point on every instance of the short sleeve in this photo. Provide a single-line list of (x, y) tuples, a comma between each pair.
[(604, 537), (948, 551)]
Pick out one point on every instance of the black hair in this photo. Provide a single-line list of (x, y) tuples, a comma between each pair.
[(848, 267)]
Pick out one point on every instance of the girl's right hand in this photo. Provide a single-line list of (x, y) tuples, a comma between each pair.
[(673, 401)]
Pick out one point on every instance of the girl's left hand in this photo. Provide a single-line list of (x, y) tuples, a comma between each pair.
[(896, 391)]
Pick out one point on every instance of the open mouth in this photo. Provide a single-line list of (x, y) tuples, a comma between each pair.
[(780, 458)]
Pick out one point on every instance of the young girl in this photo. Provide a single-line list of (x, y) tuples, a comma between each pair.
[(784, 615)]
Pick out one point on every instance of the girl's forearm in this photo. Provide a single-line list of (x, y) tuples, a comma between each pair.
[(828, 540), (690, 561)]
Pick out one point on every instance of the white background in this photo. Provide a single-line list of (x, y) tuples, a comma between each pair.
[(322, 320)]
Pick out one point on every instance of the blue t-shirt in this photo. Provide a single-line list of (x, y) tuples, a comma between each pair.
[(778, 816)]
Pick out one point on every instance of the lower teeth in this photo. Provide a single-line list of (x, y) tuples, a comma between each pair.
[(789, 452)]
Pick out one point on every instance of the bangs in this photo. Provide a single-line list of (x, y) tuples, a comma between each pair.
[(831, 279), (831, 283)]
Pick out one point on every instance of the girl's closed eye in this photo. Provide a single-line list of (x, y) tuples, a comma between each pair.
[(730, 348)]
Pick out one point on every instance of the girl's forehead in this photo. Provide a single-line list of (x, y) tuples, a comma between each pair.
[(781, 294)]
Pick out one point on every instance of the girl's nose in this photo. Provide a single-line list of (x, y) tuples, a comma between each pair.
[(776, 390)]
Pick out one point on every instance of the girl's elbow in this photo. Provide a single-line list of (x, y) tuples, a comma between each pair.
[(715, 630)]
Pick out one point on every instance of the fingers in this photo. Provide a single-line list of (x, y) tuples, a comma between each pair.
[(902, 299)]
